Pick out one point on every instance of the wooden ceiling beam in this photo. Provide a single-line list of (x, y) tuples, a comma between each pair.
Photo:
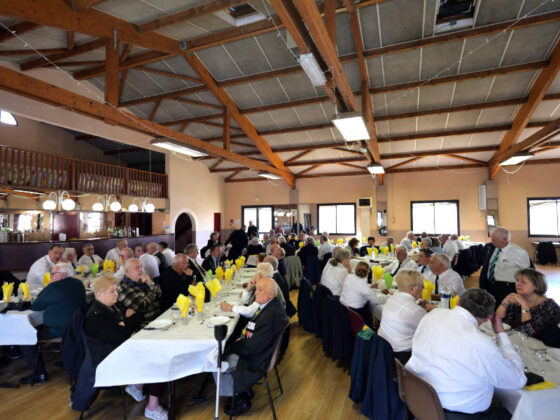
[(406, 162), (227, 129), (80, 49), (216, 164), (439, 152), (130, 63), (18, 29), (81, 5), (296, 157), (331, 174), (44, 51), (188, 14), (434, 168), (124, 150), (349, 165), (112, 47), (466, 159), (311, 168), (80, 63), (524, 114), (35, 89)]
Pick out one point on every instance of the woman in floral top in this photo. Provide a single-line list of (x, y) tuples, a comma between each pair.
[(529, 310)]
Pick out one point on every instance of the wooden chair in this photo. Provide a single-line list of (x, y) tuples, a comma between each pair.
[(419, 396)]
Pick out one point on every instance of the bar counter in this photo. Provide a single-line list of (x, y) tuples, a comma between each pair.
[(18, 256)]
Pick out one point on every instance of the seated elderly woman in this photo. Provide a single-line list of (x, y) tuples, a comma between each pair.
[(106, 328), (254, 248), (63, 295), (71, 257), (401, 313), (529, 310), (336, 270), (353, 247), (357, 293)]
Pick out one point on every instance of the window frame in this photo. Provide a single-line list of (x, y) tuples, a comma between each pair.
[(433, 202), (336, 204), (246, 223), (529, 217)]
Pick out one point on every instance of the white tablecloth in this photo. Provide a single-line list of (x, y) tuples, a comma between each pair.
[(18, 328), (152, 356)]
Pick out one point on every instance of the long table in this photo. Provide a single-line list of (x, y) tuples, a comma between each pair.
[(152, 356), (19, 327)]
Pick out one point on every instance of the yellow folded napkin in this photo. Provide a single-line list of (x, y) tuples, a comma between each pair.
[(229, 274), (453, 301), (239, 263), (199, 303), (363, 239), (376, 251), (112, 266), (8, 289), (301, 245), (331, 242), (428, 289), (106, 265), (392, 248), (540, 386), (214, 286), (369, 251), (81, 269), (197, 290), (384, 250), (377, 272), (242, 258), (46, 279), (183, 304), (414, 245), (24, 287), (339, 241), (219, 273)]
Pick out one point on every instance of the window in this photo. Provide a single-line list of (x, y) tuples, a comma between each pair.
[(337, 219), (544, 216), (435, 217), (91, 222), (261, 216)]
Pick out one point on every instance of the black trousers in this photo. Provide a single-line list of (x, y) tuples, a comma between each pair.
[(493, 413), (30, 352)]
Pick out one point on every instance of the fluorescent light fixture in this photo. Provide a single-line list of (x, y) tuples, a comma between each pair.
[(516, 159), (310, 66), (352, 126), (269, 175), (177, 147), (375, 168), (7, 118)]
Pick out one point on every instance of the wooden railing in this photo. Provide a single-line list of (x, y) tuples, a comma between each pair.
[(23, 168)]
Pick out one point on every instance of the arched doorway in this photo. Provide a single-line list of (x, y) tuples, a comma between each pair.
[(184, 233)]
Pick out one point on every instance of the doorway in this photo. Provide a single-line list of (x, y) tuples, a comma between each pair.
[(184, 233)]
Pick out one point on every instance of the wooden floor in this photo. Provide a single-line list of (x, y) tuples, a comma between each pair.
[(315, 387)]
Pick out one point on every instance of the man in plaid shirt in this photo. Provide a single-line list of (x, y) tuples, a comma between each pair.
[(138, 292)]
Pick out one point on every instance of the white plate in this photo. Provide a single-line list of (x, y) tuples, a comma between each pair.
[(160, 323), (217, 320)]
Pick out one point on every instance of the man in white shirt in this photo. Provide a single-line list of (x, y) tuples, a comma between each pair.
[(424, 258), (401, 314), (458, 242), (445, 276), (163, 247), (403, 262), (407, 240), (89, 256), (149, 262), (113, 253), (43, 265), (449, 247), (463, 364), (324, 248), (192, 252), (124, 254), (506, 260)]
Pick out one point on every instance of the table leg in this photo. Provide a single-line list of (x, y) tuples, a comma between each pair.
[(171, 404)]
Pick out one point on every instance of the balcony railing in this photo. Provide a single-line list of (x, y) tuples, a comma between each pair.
[(23, 168)]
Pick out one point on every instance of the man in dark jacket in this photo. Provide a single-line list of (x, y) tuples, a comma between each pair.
[(250, 353), (238, 240), (175, 280), (252, 230), (215, 259), (309, 249)]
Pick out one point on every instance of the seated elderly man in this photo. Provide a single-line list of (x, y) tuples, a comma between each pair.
[(192, 252), (424, 258), (401, 313), (175, 280), (137, 291), (282, 284), (124, 255), (90, 257), (308, 250), (271, 241), (462, 363), (106, 328), (336, 271), (407, 240), (425, 243), (149, 262), (279, 254), (215, 259), (163, 247), (249, 354), (458, 242), (403, 262), (62, 296), (254, 248), (152, 249), (357, 293), (440, 266), (324, 247), (114, 253), (70, 257), (449, 247), (44, 265), (370, 244), (390, 241), (287, 247)]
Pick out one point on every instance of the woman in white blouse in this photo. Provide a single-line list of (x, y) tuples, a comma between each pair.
[(357, 293), (401, 313), (336, 271)]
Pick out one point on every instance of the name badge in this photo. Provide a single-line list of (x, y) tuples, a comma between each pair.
[(250, 325)]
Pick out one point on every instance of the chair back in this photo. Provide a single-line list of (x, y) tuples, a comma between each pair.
[(325, 260), (276, 352), (312, 269), (420, 397), (356, 321)]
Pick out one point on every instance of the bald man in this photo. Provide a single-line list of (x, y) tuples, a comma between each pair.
[(250, 353), (114, 253)]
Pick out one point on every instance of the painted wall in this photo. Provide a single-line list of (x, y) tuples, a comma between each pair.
[(196, 191)]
